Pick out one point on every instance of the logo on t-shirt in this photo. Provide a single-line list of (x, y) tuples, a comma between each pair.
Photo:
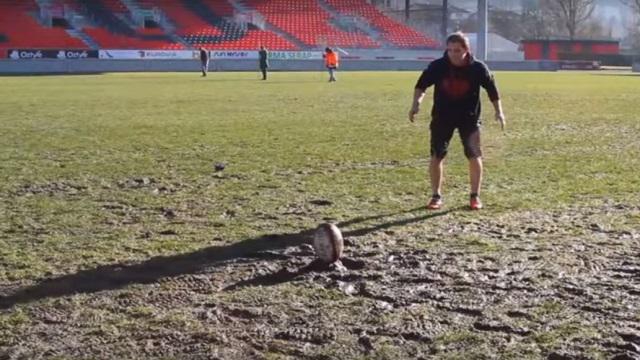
[(455, 88)]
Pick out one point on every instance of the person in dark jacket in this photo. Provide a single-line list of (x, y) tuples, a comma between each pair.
[(457, 78), (264, 61), (204, 61)]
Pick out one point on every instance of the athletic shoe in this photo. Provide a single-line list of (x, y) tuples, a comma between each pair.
[(475, 203), (435, 203)]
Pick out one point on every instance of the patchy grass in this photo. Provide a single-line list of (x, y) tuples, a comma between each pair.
[(108, 187)]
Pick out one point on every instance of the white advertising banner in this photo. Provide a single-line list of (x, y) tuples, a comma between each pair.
[(232, 54), (148, 54), (295, 55), (273, 55), (215, 54), (167, 54)]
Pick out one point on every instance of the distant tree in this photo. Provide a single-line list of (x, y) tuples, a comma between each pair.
[(538, 21), (633, 27), (531, 20), (633, 4), (594, 29), (611, 25), (507, 24), (633, 31), (573, 14)]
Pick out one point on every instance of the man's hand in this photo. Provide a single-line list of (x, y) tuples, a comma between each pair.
[(414, 110), (501, 119)]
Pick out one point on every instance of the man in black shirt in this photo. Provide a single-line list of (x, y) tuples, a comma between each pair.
[(204, 61), (457, 77), (264, 61)]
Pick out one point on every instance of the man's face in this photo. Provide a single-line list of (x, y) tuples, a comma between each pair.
[(456, 53)]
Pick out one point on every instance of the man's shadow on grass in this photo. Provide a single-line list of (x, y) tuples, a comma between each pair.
[(115, 276)]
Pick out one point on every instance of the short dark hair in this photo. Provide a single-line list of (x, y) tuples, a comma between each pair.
[(460, 38)]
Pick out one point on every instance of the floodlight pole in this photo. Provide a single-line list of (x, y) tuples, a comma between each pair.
[(407, 7), (445, 20), (481, 33)]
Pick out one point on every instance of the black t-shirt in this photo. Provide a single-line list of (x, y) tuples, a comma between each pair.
[(204, 55), (264, 59), (457, 88)]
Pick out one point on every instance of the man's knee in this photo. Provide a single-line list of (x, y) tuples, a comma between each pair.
[(471, 144), (472, 151), (439, 145), (438, 152), (436, 161)]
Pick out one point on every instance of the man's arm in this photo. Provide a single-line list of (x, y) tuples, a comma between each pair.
[(426, 79), (497, 106), (418, 96), (489, 84)]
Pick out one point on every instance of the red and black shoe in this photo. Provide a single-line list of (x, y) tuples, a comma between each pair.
[(474, 202), (435, 203)]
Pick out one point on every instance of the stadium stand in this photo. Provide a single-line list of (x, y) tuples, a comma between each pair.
[(186, 22), (113, 32), (22, 29), (116, 6), (108, 40), (235, 36), (205, 24), (220, 7), (310, 23), (213, 24), (60, 7), (397, 34)]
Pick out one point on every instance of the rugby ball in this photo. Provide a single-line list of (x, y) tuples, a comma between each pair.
[(328, 243)]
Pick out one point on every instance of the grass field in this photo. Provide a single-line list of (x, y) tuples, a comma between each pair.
[(119, 239)]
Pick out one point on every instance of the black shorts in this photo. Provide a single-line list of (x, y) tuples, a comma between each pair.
[(442, 131)]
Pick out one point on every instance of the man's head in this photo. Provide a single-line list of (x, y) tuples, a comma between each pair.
[(261, 47), (458, 48), (327, 50)]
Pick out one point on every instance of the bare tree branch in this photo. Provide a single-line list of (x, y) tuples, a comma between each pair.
[(634, 4), (573, 13)]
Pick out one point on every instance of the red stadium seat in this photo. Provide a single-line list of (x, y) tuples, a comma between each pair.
[(115, 6), (22, 29), (396, 33), (109, 40), (200, 33), (304, 20), (309, 23)]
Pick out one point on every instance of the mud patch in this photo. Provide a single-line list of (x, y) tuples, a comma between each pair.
[(54, 188), (540, 284)]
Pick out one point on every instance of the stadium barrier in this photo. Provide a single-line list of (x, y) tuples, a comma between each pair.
[(603, 59), (579, 65), (70, 66), (44, 61), (62, 54), (636, 67), (195, 54)]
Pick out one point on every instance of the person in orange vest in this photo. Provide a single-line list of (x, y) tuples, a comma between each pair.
[(331, 62)]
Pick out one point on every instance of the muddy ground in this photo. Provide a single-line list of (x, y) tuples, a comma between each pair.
[(561, 284)]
